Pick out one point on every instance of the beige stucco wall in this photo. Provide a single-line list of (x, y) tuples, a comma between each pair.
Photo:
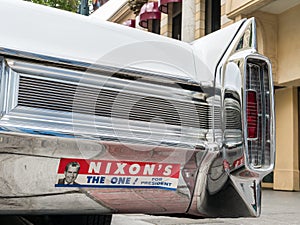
[(123, 14), (188, 24), (289, 47), (234, 8), (199, 18), (225, 21), (165, 26), (286, 174)]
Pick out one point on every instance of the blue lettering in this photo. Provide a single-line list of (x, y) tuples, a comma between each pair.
[(102, 180), (156, 179), (95, 179), (146, 182), (120, 180), (114, 180), (89, 179)]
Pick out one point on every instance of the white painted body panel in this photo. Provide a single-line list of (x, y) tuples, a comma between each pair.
[(210, 49), (47, 31)]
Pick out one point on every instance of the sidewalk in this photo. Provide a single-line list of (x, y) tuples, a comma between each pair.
[(278, 208)]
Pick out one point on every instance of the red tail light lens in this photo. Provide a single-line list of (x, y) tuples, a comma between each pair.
[(252, 114)]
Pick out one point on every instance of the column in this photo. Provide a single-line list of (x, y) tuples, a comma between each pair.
[(286, 174), (188, 21)]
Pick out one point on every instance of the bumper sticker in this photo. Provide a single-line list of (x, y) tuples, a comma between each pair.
[(117, 174)]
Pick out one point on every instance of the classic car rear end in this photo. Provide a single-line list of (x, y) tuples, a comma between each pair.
[(137, 124)]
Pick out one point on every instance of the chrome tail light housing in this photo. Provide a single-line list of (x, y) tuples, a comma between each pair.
[(259, 131), (248, 74)]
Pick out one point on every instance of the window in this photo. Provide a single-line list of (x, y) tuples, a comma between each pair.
[(212, 16), (176, 21), (154, 26)]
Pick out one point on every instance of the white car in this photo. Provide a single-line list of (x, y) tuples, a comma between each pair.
[(99, 118)]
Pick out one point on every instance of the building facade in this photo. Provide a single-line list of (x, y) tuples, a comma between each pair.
[(278, 36)]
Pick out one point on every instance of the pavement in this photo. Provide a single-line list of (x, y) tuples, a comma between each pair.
[(278, 208)]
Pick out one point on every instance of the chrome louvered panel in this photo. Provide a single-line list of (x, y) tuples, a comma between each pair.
[(215, 117), (233, 119), (54, 95), (69, 102), (232, 114)]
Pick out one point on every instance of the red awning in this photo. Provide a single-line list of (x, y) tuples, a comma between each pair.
[(149, 11), (163, 4), (129, 23)]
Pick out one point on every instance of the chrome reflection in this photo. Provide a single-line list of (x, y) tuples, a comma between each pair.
[(248, 38), (44, 125), (90, 104), (31, 162)]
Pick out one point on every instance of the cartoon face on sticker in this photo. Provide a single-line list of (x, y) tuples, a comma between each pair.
[(70, 173)]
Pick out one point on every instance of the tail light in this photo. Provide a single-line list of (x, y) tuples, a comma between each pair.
[(258, 98), (252, 114)]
